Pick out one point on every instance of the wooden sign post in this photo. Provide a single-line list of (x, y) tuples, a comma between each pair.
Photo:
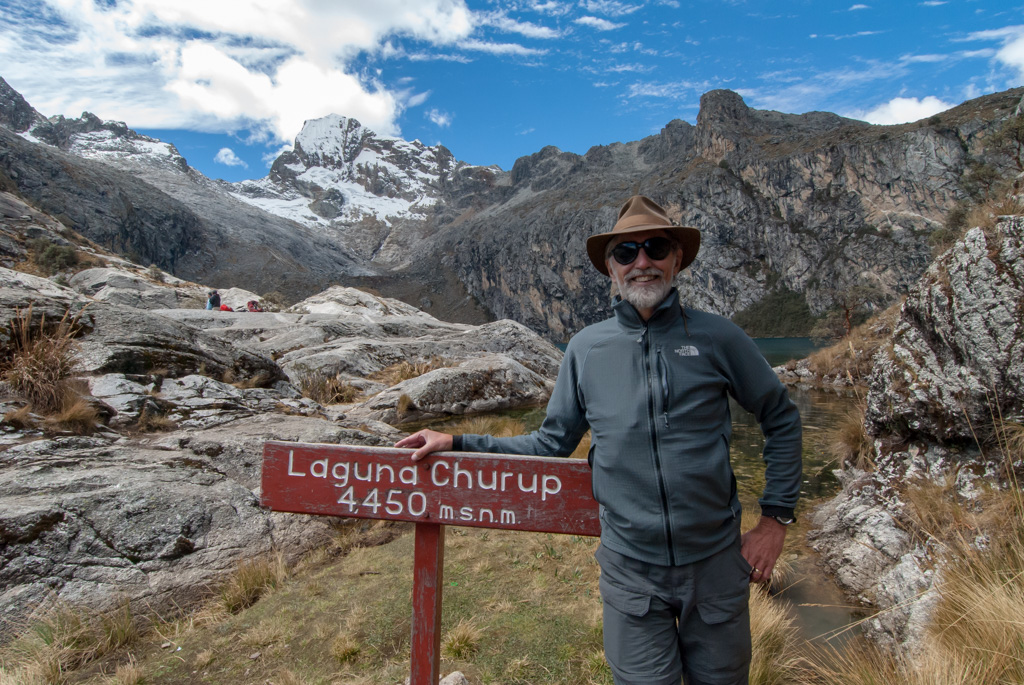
[(448, 488)]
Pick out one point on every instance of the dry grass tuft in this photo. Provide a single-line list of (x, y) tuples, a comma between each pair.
[(63, 638), (79, 417), (853, 357), (286, 677), (773, 639), (402, 371), (461, 641), (129, 673), (20, 418), (849, 442), (251, 580), (40, 359), (404, 405), (986, 214), (327, 389), (344, 648), (260, 380), (152, 422), (498, 426)]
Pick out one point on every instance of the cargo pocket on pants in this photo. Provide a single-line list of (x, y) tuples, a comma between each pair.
[(714, 610), (625, 601)]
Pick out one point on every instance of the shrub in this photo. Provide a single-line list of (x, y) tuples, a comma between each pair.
[(780, 313), (52, 258)]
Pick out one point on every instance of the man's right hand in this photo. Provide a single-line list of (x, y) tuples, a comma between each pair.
[(426, 441)]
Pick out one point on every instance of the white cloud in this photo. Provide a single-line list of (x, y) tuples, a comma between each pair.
[(609, 7), (677, 90), (499, 48), (598, 23), (269, 157), (503, 22), (1011, 53), (551, 7), (219, 66), (418, 99), (854, 8), (903, 110), (932, 3), (442, 119), (227, 156)]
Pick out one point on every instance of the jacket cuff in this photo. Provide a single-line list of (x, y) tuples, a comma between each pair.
[(456, 443), (784, 512)]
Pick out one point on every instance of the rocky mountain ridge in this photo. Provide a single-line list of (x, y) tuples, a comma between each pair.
[(811, 204)]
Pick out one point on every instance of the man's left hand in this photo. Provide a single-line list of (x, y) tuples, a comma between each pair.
[(762, 546)]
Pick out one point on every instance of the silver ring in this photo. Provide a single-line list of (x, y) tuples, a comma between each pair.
[(757, 570)]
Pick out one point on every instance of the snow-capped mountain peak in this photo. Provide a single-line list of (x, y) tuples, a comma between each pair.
[(339, 171)]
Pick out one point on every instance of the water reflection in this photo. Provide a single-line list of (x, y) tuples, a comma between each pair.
[(818, 605)]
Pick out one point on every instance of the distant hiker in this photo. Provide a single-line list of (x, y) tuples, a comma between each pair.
[(213, 300), (253, 306), (653, 385)]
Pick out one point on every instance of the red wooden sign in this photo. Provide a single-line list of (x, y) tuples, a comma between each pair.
[(453, 488)]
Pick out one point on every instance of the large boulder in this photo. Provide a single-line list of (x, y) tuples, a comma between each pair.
[(129, 289), (954, 367), (487, 383), (155, 519)]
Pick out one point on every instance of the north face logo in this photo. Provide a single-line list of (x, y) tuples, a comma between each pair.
[(687, 351)]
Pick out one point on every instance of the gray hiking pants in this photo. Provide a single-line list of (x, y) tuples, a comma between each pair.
[(663, 623)]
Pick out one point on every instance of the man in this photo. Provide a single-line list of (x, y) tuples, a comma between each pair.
[(652, 384)]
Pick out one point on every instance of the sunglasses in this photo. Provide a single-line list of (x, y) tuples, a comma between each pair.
[(656, 248)]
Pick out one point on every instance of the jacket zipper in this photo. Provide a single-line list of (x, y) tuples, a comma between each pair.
[(652, 416), (663, 377)]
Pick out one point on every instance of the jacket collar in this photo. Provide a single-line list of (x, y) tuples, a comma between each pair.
[(666, 315)]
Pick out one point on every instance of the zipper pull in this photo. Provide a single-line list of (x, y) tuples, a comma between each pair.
[(640, 340)]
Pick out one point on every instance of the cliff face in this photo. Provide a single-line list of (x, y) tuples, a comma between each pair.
[(814, 202)]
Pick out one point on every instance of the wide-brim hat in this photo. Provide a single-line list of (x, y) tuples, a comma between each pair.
[(638, 214)]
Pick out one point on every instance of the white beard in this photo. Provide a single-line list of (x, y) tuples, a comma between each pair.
[(643, 295)]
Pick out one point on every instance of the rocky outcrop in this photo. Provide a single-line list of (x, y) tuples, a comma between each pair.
[(951, 371), (160, 503), (15, 112)]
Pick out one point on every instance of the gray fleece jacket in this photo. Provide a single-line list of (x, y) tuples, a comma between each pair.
[(656, 396)]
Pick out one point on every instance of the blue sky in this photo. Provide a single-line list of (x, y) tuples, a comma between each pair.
[(230, 82)]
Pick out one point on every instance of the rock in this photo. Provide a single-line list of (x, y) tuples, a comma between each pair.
[(486, 384), (156, 519), (953, 366), (956, 359), (122, 287)]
